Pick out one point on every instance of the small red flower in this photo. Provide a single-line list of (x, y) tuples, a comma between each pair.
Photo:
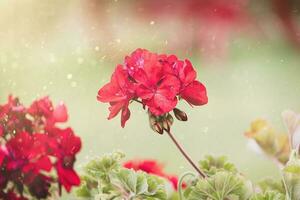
[(149, 166)]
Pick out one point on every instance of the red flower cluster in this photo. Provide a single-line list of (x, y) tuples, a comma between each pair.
[(152, 167), (32, 146), (158, 80)]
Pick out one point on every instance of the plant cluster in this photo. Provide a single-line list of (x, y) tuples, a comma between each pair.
[(35, 154)]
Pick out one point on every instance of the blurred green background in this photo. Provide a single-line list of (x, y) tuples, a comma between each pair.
[(68, 50)]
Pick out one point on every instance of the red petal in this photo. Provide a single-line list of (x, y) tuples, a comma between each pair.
[(115, 108), (60, 113), (67, 177), (188, 73), (110, 93), (44, 163), (125, 116), (160, 104), (195, 94)]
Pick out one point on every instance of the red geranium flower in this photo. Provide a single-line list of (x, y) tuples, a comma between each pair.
[(155, 80), (32, 145), (46, 114)]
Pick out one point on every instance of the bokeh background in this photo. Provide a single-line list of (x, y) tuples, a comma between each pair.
[(246, 52)]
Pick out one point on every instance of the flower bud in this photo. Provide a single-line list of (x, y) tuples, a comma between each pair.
[(170, 119), (167, 122), (180, 115), (158, 128), (155, 124)]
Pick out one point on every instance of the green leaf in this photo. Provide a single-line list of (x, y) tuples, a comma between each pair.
[(99, 168), (127, 179), (270, 195), (291, 176), (220, 186), (211, 165), (105, 178), (270, 184)]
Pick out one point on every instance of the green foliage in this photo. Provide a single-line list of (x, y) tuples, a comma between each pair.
[(270, 195), (222, 185), (211, 165), (106, 179), (291, 174), (270, 184)]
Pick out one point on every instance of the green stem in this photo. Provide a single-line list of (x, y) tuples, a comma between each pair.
[(179, 186), (183, 152)]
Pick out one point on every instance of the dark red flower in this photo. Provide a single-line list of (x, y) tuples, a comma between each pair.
[(25, 153), (13, 117), (68, 146), (46, 114), (32, 145), (118, 92), (38, 185)]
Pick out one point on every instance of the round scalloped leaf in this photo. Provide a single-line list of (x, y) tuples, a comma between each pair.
[(211, 165), (222, 185)]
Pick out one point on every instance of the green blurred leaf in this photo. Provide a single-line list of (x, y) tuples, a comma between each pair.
[(220, 186), (291, 176), (270, 195), (211, 165), (270, 184)]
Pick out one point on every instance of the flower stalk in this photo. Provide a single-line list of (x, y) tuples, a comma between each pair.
[(184, 153)]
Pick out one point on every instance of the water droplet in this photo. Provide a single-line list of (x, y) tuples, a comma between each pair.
[(97, 48), (79, 60), (52, 58), (69, 76), (73, 84), (152, 22)]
